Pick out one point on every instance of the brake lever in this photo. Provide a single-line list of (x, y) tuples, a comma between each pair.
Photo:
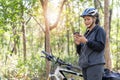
[(46, 57), (49, 58)]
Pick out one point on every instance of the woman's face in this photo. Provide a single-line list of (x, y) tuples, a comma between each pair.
[(88, 20)]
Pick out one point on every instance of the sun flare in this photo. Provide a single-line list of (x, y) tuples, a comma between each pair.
[(53, 11)]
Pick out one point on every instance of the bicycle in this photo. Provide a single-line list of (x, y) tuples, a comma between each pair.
[(58, 74)]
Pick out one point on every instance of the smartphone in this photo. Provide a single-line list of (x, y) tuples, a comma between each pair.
[(77, 33)]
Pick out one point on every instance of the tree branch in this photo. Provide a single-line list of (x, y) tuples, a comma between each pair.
[(100, 6), (27, 21), (39, 24), (42, 3)]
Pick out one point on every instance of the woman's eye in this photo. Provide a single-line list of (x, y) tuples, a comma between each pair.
[(86, 19)]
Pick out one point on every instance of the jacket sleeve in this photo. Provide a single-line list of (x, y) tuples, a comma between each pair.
[(99, 43), (78, 48)]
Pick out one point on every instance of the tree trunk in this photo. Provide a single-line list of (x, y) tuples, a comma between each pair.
[(47, 45), (14, 48), (106, 26), (23, 31), (47, 34), (68, 40), (24, 41)]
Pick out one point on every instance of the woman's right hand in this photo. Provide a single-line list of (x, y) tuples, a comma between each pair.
[(77, 39)]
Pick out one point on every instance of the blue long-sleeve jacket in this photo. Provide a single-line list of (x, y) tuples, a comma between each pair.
[(92, 53)]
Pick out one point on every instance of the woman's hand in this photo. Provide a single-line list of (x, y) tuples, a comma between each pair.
[(83, 39), (79, 39)]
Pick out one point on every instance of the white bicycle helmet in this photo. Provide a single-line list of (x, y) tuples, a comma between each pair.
[(90, 12)]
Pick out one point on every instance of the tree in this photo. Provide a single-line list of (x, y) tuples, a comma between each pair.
[(48, 27), (107, 29), (25, 8)]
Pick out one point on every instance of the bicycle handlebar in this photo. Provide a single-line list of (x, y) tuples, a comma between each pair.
[(53, 58), (50, 57)]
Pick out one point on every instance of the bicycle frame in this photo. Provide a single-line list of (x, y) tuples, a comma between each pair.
[(59, 71), (58, 74)]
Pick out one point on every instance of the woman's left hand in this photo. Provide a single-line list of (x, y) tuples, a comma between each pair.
[(83, 39)]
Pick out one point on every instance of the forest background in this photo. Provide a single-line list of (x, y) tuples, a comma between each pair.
[(29, 26)]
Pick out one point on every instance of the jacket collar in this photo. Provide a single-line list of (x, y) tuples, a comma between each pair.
[(89, 32)]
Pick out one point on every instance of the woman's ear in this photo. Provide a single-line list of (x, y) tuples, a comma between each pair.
[(94, 18)]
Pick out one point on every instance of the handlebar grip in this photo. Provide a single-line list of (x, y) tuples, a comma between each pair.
[(48, 56), (45, 53)]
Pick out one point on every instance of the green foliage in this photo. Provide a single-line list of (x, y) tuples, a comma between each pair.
[(14, 12), (115, 41), (32, 67)]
